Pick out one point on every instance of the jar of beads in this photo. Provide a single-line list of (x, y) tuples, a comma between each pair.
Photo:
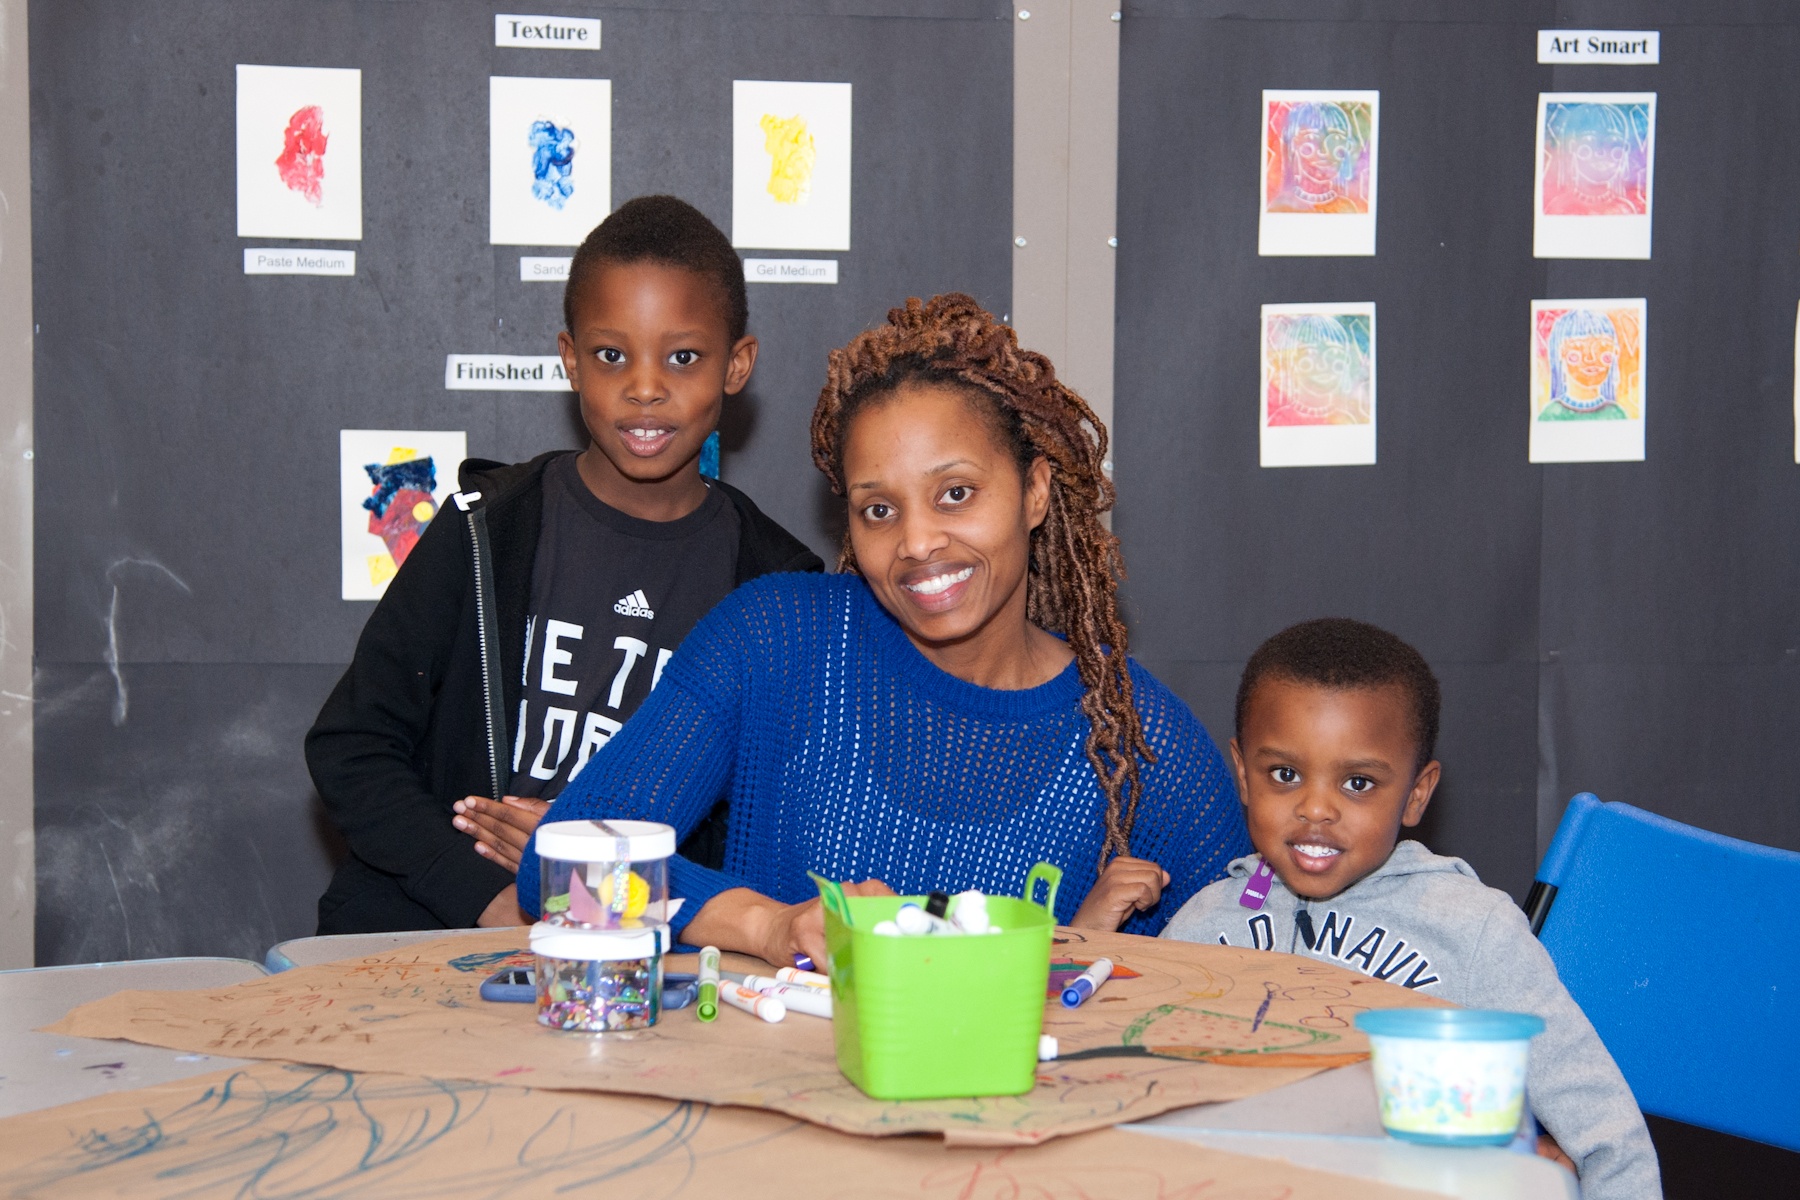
[(598, 981), (605, 874)]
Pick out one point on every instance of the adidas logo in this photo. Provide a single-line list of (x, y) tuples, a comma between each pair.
[(635, 605)]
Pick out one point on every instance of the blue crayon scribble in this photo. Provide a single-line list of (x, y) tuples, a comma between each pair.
[(416, 473), (552, 162)]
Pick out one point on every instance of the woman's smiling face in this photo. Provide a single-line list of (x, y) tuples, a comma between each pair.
[(940, 514)]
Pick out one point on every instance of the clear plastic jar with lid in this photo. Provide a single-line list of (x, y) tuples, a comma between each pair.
[(605, 874), (598, 981)]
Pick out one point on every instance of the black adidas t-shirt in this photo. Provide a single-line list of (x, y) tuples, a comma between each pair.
[(611, 598)]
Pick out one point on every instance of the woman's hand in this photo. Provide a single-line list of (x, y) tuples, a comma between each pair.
[(751, 923), (1127, 886), (500, 829), (503, 910), (1547, 1148)]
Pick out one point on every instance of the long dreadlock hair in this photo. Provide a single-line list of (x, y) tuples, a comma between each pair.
[(1075, 565)]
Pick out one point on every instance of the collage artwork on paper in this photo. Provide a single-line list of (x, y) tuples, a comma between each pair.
[(1596, 163), (549, 159), (1318, 385), (299, 152), (790, 165), (1587, 380), (1319, 158), (391, 484)]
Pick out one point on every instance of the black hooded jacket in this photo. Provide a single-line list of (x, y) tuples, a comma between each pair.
[(412, 726)]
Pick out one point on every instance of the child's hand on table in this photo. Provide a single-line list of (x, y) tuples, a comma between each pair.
[(1128, 885), (751, 923), (502, 828)]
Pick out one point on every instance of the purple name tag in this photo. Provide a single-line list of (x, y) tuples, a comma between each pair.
[(1257, 890)]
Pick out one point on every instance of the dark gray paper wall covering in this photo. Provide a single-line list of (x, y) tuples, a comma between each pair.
[(1628, 629), (188, 621)]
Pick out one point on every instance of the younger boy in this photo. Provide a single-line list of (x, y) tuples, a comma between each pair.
[(537, 611), (1336, 725)]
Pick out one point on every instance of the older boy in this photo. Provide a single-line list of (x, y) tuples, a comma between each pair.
[(1336, 726), (535, 614)]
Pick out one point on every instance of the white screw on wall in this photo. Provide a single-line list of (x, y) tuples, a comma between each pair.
[(1019, 241), (1118, 16), (1113, 242), (1024, 14)]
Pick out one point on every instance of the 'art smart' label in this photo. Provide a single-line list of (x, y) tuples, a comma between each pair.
[(1620, 47), (546, 33)]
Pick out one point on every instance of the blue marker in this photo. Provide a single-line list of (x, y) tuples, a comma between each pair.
[(1085, 984)]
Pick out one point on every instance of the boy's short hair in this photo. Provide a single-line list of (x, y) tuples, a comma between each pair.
[(668, 230), (1336, 652)]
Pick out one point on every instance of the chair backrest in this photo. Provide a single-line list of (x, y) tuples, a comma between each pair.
[(1680, 946)]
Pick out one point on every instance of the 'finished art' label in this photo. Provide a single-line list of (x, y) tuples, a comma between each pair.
[(504, 373)]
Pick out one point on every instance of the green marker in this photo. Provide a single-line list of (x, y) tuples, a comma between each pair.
[(708, 1006)]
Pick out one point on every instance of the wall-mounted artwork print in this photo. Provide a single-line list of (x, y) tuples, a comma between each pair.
[(299, 152), (790, 165), (549, 159), (1596, 164), (392, 483), (1587, 381), (1318, 385), (1319, 157)]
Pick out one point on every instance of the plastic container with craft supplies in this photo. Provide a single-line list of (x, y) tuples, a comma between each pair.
[(1450, 1076), (605, 874), (919, 1018), (597, 980)]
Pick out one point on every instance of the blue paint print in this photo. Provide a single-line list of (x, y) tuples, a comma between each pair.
[(415, 474), (552, 162)]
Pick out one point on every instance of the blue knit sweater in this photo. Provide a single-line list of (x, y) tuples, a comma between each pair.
[(844, 750)]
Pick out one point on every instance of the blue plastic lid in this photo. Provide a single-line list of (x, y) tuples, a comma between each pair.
[(1450, 1024)]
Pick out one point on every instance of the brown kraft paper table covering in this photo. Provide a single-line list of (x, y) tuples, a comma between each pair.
[(1179, 1024)]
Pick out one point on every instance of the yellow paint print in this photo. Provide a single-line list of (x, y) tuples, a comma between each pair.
[(792, 155)]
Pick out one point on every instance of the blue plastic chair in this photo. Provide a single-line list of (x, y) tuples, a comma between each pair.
[(1681, 947)]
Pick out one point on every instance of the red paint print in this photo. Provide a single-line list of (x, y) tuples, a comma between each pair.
[(302, 161)]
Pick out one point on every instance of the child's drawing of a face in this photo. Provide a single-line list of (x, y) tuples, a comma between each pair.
[(1317, 375), (1318, 158), (1587, 361)]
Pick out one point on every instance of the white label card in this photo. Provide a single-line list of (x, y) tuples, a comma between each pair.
[(790, 270), (1620, 47), (504, 373), (546, 33), (543, 270), (289, 260)]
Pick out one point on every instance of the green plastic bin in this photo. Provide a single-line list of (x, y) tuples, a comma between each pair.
[(920, 1018)]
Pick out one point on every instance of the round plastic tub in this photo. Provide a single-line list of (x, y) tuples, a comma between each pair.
[(1450, 1076), (598, 981), (605, 874)]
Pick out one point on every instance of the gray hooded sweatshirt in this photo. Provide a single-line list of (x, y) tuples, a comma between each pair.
[(1427, 922)]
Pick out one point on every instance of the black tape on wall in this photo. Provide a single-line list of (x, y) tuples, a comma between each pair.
[(188, 613), (1623, 628)]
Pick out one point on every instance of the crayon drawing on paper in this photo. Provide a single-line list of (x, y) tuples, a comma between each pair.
[(1587, 380), (1318, 385), (1319, 157), (790, 165), (549, 159), (299, 152), (392, 483), (1596, 164)]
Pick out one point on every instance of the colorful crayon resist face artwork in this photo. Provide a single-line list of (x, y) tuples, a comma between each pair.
[(1320, 368), (1596, 158), (299, 152), (393, 483), (1319, 156), (1587, 362), (790, 165), (549, 159)]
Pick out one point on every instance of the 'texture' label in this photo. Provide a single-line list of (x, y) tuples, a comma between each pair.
[(290, 260), (1621, 47), (546, 33), (504, 373)]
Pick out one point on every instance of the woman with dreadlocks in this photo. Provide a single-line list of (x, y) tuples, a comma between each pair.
[(954, 705)]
